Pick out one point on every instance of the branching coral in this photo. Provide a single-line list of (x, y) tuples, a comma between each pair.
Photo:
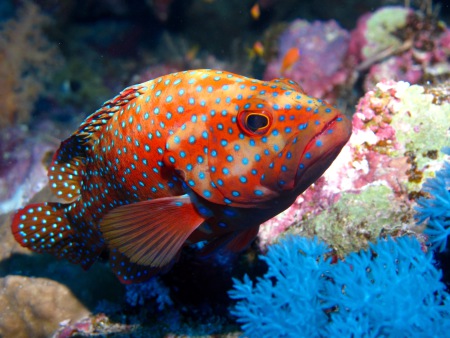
[(393, 289), (286, 301), (26, 59)]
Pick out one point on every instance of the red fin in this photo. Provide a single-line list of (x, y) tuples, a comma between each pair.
[(151, 233), (45, 228), (242, 239), (94, 121), (234, 242)]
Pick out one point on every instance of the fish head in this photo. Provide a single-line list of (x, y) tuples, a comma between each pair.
[(269, 142), (306, 136)]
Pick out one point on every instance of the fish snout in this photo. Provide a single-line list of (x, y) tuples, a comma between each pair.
[(322, 149), (310, 152)]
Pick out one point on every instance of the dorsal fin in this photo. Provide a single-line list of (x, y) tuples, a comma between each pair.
[(94, 121), (68, 163), (289, 84)]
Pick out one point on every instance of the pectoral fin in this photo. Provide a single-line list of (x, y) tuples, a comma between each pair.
[(151, 233)]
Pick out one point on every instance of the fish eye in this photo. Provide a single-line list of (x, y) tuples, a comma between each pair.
[(255, 122)]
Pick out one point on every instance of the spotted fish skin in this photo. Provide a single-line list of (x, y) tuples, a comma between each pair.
[(200, 155)]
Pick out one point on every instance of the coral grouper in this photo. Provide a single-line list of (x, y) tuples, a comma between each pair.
[(200, 155)]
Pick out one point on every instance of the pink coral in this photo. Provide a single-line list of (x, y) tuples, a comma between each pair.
[(358, 40), (323, 47), (94, 325), (399, 68)]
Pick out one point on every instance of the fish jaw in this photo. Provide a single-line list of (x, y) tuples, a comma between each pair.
[(321, 151), (307, 155)]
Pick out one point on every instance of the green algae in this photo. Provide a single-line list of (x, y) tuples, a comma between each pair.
[(357, 219), (380, 28), (421, 127), (427, 123)]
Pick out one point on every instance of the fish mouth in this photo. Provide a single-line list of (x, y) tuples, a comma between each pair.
[(322, 150), (309, 153)]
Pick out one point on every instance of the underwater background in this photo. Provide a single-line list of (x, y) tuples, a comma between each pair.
[(363, 252)]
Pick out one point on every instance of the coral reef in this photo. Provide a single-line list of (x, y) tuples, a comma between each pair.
[(372, 293), (320, 68), (397, 133), (27, 58), (394, 43), (375, 32), (401, 121), (400, 44), (390, 181)]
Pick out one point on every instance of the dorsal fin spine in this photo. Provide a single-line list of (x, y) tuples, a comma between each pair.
[(69, 161), (100, 117)]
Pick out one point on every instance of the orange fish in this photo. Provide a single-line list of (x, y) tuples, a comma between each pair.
[(199, 155), (258, 48), (289, 59), (255, 11)]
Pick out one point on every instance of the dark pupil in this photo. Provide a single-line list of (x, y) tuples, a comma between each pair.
[(255, 122)]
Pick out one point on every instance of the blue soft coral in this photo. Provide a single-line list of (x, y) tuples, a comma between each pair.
[(292, 304), (436, 209), (391, 290)]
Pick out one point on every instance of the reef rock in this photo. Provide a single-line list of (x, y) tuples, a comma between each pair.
[(34, 307)]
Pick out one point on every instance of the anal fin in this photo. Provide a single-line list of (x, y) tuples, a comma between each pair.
[(242, 239), (234, 241)]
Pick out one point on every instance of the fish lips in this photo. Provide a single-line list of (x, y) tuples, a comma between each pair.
[(308, 154)]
